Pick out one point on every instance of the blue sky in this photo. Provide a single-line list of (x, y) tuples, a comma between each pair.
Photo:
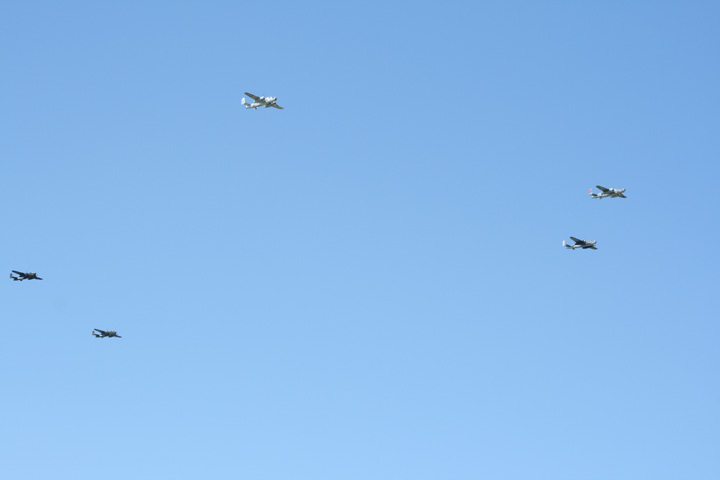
[(369, 283)]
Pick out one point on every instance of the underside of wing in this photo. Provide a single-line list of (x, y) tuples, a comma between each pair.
[(577, 240), (254, 97), (18, 273), (594, 247), (622, 195), (276, 106), (101, 331), (605, 190)]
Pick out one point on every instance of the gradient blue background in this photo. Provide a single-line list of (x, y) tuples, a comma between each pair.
[(369, 284)]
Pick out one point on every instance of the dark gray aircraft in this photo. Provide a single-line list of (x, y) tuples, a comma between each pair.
[(103, 334), (581, 244), (24, 276), (607, 192)]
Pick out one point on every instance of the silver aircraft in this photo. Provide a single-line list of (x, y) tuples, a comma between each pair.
[(24, 276), (581, 244), (607, 192), (103, 333), (260, 102)]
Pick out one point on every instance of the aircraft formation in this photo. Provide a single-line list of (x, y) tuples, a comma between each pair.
[(256, 103), (33, 276), (267, 102), (604, 192)]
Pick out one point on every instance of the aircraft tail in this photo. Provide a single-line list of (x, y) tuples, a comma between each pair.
[(247, 105), (567, 246), (594, 195)]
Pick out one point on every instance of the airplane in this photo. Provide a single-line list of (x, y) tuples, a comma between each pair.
[(581, 244), (103, 334), (24, 276), (260, 102), (607, 192)]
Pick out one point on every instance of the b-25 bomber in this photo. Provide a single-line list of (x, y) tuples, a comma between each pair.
[(581, 244), (24, 276), (260, 102), (103, 334), (607, 192)]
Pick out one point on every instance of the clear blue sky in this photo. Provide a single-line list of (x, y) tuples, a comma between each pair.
[(369, 284)]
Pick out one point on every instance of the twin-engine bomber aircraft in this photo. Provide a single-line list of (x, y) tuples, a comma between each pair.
[(607, 192), (260, 102), (24, 276), (581, 244), (103, 334)]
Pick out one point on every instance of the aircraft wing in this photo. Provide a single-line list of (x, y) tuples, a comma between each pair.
[(622, 195), (18, 273), (594, 247), (254, 97), (276, 106), (101, 331), (577, 240), (605, 190)]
